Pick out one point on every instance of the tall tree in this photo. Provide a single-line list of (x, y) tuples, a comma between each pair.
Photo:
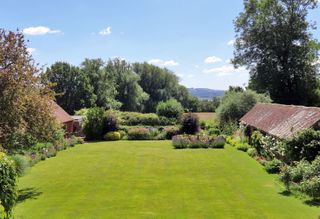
[(103, 84), (25, 105), (160, 84), (275, 43), (129, 92), (72, 86)]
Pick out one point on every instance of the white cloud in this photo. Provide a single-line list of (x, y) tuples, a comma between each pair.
[(228, 61), (31, 50), (39, 30), (224, 70), (212, 59), (163, 63), (197, 66), (105, 32), (231, 43)]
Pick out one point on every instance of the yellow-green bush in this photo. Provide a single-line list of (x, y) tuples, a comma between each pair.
[(112, 136)]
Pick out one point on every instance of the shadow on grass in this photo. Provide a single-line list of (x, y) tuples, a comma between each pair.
[(313, 202), (27, 193), (310, 202)]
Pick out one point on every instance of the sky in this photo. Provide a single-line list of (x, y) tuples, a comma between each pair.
[(192, 38)]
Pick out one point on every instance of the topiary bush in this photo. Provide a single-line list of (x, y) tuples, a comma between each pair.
[(170, 109), (112, 136), (8, 183), (190, 123), (21, 164)]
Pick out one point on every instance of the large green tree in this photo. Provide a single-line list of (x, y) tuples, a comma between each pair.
[(129, 92), (25, 105), (103, 84), (275, 43), (72, 86), (161, 84)]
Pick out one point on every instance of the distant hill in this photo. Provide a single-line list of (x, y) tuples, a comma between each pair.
[(205, 93)]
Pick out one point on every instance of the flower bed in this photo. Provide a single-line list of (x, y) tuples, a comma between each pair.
[(197, 141)]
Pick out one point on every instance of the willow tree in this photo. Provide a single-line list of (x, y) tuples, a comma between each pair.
[(274, 41)]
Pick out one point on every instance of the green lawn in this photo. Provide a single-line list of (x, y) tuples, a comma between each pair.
[(131, 179)]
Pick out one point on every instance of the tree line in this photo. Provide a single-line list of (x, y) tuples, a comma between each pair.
[(115, 84)]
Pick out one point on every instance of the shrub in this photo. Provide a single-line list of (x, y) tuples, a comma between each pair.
[(139, 134), (252, 152), (219, 142), (171, 109), (256, 138), (190, 123), (273, 166), (110, 123), (197, 141), (285, 176), (171, 131), (21, 164), (235, 104), (112, 136), (311, 187), (142, 119), (214, 131), (3, 214), (8, 183), (242, 146), (122, 134), (305, 145), (94, 124)]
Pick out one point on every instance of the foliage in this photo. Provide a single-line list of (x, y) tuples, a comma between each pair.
[(21, 164), (3, 214), (111, 123), (147, 119), (197, 141), (170, 109), (190, 123), (273, 166), (256, 141), (236, 104), (140, 134), (274, 41), (72, 86), (252, 152), (8, 183), (171, 131), (25, 110), (209, 105), (112, 136), (242, 146), (304, 145), (311, 187), (94, 124), (102, 82)]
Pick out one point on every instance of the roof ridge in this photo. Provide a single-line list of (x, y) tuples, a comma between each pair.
[(291, 105)]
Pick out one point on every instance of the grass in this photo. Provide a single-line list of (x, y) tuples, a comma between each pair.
[(149, 179)]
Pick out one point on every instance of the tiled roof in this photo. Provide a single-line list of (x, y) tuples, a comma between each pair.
[(61, 115), (281, 120)]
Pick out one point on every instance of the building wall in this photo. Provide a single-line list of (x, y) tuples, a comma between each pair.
[(68, 126)]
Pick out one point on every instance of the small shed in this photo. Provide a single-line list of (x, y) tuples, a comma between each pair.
[(281, 121), (64, 118)]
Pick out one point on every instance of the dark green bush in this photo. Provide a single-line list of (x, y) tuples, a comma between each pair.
[(273, 166), (305, 145), (214, 131), (190, 123), (8, 183), (21, 164), (94, 124), (112, 136), (111, 123), (170, 109)]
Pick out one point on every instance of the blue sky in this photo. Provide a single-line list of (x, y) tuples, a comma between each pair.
[(192, 38)]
